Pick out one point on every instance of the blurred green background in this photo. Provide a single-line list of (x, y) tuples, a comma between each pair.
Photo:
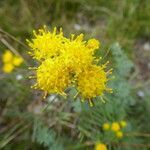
[(123, 28)]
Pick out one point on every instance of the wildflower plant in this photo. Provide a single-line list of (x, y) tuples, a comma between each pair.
[(68, 62), (68, 66), (10, 61), (117, 128)]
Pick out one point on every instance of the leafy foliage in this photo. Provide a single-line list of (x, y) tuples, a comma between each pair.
[(45, 136), (116, 103), (28, 122)]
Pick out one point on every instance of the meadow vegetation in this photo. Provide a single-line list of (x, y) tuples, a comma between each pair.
[(119, 121)]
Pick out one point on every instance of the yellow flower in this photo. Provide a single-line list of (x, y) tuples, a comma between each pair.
[(115, 126), (119, 134), (8, 68), (10, 61), (17, 61), (106, 126), (76, 55), (123, 123), (46, 44), (92, 82), (67, 61), (52, 77), (7, 56), (100, 146)]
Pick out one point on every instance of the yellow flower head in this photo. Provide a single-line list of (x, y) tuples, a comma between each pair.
[(17, 61), (123, 123), (100, 146), (7, 56), (106, 126), (10, 61), (92, 82), (67, 61), (46, 44), (115, 126), (119, 134), (52, 77), (76, 55), (8, 68)]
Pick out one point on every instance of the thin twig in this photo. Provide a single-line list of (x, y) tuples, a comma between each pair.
[(138, 134), (106, 54), (131, 145), (12, 37), (122, 144), (13, 136), (141, 85), (12, 49), (102, 9)]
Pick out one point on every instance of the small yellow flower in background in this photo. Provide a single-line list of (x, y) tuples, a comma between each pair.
[(10, 61), (7, 56), (123, 123), (8, 68), (119, 134), (100, 146), (17, 61), (106, 126), (115, 126)]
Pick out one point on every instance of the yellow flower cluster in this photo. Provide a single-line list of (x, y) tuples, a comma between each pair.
[(67, 62), (100, 146), (10, 61), (115, 127)]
